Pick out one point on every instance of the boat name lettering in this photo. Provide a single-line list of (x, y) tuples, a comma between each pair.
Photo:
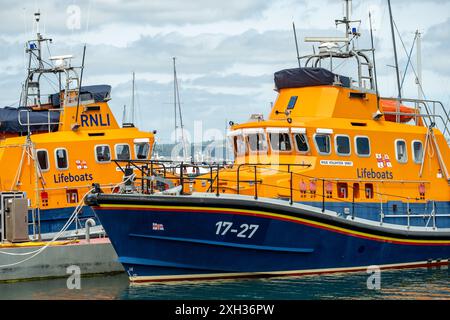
[(372, 174), (244, 230), (338, 163), (63, 178), (94, 120)]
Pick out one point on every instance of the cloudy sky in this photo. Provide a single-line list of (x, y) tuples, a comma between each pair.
[(227, 51)]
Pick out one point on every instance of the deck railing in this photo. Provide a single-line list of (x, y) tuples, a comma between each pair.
[(48, 123), (253, 184), (436, 115)]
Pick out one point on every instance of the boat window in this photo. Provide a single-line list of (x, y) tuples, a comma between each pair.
[(142, 150), (102, 153), (123, 152), (302, 142), (42, 156), (62, 161), (356, 190), (292, 102), (342, 145), (280, 141), (239, 145), (362, 146), (323, 143), (417, 151), (400, 151), (342, 188), (369, 190), (257, 142)]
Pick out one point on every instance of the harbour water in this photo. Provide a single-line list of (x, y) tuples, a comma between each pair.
[(417, 284)]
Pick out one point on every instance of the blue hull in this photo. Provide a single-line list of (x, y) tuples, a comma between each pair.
[(174, 240)]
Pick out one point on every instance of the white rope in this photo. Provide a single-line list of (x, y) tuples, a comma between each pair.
[(38, 251)]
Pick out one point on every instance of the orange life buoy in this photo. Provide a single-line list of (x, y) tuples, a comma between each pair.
[(391, 106)]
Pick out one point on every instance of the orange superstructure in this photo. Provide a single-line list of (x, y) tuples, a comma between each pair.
[(54, 147), (331, 141)]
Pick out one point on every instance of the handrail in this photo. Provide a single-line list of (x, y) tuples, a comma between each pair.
[(257, 182), (265, 164), (48, 123), (431, 114), (239, 180), (316, 60)]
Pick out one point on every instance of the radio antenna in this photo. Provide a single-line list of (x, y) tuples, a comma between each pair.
[(374, 61), (79, 86), (296, 44), (124, 114)]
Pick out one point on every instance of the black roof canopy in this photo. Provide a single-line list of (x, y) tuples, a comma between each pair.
[(98, 93), (38, 120), (308, 77)]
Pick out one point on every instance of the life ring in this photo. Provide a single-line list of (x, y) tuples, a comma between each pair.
[(391, 106)]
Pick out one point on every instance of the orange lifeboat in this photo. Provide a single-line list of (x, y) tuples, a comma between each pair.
[(391, 106)]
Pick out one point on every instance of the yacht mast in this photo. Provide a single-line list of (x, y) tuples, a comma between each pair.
[(374, 62), (175, 98), (395, 55), (132, 100), (177, 103), (419, 65), (296, 45)]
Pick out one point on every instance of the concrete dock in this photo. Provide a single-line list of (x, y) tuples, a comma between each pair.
[(96, 256)]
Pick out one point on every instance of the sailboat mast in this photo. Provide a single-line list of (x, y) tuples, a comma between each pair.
[(296, 44), (132, 100), (374, 62), (419, 65), (178, 104), (175, 97), (395, 53)]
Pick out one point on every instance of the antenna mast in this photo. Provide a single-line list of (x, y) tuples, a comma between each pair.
[(124, 114), (348, 4), (79, 87), (34, 50), (395, 53), (37, 17), (296, 45), (346, 21)]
